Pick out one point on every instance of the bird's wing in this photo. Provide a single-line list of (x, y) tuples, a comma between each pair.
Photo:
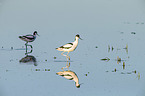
[(67, 46), (68, 76), (29, 36)]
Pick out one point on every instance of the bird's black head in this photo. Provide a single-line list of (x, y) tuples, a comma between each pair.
[(78, 86), (35, 33), (79, 36)]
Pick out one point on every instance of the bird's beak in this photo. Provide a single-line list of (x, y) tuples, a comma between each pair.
[(81, 38), (81, 83), (38, 34)]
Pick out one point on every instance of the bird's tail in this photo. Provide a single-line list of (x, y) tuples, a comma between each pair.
[(59, 49), (20, 36)]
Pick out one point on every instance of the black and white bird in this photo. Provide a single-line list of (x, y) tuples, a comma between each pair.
[(69, 46), (29, 38)]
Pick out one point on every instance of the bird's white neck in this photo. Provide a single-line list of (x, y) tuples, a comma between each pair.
[(76, 81), (77, 84), (76, 39)]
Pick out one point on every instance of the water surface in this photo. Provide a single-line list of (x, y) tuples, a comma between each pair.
[(100, 23)]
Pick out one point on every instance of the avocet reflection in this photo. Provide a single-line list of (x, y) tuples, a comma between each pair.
[(70, 75)]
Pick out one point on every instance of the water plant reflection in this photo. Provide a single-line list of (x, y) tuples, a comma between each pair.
[(105, 59), (29, 59), (110, 48), (118, 60), (70, 75), (126, 48), (123, 65)]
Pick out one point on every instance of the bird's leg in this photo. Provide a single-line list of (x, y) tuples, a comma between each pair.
[(26, 43), (26, 46), (62, 68), (30, 50), (68, 66), (63, 54), (68, 56), (30, 46), (26, 50)]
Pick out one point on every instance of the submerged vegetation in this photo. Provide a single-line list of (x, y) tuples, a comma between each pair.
[(119, 60)]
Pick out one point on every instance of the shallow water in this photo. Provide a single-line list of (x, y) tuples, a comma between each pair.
[(100, 24)]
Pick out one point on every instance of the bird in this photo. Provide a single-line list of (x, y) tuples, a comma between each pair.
[(70, 75), (69, 47), (29, 38)]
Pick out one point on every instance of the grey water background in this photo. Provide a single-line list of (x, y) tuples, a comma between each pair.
[(100, 23)]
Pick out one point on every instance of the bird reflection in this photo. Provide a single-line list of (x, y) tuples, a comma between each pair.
[(29, 59), (70, 75)]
